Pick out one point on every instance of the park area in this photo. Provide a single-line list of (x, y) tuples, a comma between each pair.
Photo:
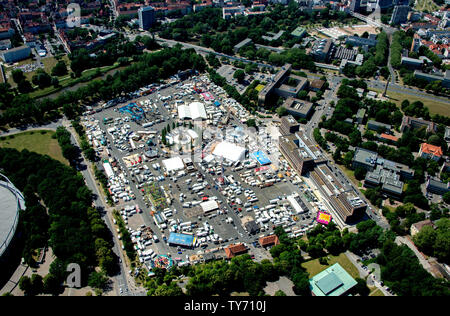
[(425, 6), (313, 267), (435, 106), (40, 142)]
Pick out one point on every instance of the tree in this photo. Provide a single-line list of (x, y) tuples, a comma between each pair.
[(97, 280), (25, 285), (239, 75), (51, 285), (360, 173), (17, 75), (279, 293), (281, 111), (446, 197), (60, 69), (361, 287), (41, 79), (425, 239)]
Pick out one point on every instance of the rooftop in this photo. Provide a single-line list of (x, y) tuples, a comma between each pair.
[(431, 150), (334, 281)]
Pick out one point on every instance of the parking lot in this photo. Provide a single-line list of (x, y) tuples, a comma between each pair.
[(136, 163)]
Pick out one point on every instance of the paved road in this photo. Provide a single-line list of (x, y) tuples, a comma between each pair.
[(122, 278), (371, 280)]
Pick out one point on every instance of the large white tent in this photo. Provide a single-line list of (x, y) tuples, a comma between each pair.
[(193, 111), (209, 206), (229, 151), (175, 163)]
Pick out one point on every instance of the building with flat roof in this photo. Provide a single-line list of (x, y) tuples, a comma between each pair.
[(241, 44), (299, 32), (334, 281), (272, 36), (344, 201), (289, 125), (147, 17), (409, 122), (400, 14), (437, 187), (360, 41), (388, 179), (15, 54), (299, 152), (278, 79), (182, 240), (252, 227), (377, 126), (447, 134), (341, 52), (360, 115), (412, 62), (298, 108), (317, 85), (443, 78), (428, 151), (365, 159), (287, 90)]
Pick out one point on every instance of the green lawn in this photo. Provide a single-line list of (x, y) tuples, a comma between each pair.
[(428, 5), (377, 292), (435, 106), (313, 267), (34, 141)]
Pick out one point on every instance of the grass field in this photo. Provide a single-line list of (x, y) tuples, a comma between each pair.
[(377, 292), (313, 267), (34, 141), (425, 5), (435, 107)]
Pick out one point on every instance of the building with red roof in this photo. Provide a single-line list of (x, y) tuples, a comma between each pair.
[(234, 250), (430, 151), (271, 240)]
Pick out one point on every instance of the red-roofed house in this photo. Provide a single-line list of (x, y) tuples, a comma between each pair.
[(388, 138), (234, 250), (430, 151), (271, 240)]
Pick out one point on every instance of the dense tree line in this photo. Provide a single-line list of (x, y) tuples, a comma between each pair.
[(435, 242), (73, 228), (150, 68)]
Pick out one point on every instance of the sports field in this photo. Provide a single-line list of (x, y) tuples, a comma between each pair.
[(40, 142)]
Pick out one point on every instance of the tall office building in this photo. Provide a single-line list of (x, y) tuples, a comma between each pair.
[(355, 5), (146, 17), (400, 14)]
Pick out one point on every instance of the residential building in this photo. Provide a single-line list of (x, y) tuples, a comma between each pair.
[(289, 125), (298, 108), (428, 151), (417, 227), (147, 17), (400, 14), (15, 54), (228, 12), (333, 281), (409, 122), (272, 36), (377, 126), (437, 187)]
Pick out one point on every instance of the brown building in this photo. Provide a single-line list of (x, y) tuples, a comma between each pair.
[(317, 85), (297, 153), (417, 227), (234, 250), (289, 125), (271, 240)]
